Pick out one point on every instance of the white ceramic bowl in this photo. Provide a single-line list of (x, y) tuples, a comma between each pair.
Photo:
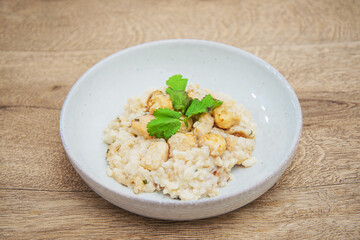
[(100, 94)]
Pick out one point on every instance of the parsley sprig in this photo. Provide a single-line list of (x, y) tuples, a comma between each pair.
[(167, 122), (200, 106), (176, 90)]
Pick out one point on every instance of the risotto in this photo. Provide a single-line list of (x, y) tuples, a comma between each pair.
[(195, 160)]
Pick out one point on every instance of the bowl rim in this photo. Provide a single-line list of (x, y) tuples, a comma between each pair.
[(212, 200)]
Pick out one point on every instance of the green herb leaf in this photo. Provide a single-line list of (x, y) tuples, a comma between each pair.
[(166, 123), (178, 95), (175, 83), (205, 105), (180, 100)]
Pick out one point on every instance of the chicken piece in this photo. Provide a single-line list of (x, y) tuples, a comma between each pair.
[(224, 117), (156, 154), (216, 144), (182, 141), (158, 99), (241, 131), (204, 125), (138, 126), (184, 128)]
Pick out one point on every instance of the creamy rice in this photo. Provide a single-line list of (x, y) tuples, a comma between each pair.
[(191, 164)]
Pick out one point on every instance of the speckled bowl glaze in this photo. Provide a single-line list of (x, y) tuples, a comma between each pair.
[(100, 94)]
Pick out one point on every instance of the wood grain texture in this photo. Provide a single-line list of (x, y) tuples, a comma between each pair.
[(77, 25), (45, 46), (289, 216)]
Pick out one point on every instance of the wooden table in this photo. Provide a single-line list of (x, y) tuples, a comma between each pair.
[(45, 46)]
